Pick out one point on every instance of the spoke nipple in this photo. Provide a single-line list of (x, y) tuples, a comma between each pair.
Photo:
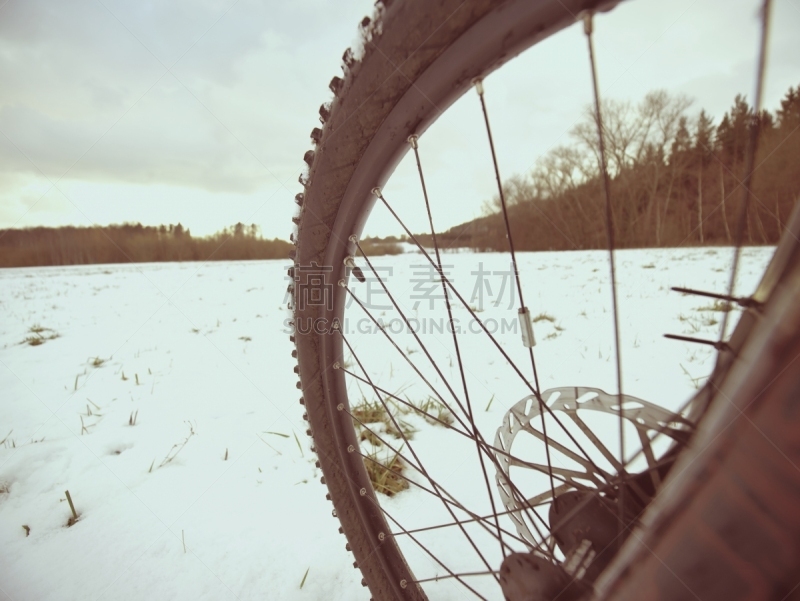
[(376, 191), (333, 513), (363, 492), (350, 448), (349, 261), (528, 339), (478, 83), (342, 283), (340, 407), (381, 536), (337, 365), (353, 238), (412, 139), (403, 583), (587, 22)]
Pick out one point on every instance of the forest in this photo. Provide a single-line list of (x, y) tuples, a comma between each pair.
[(675, 180), (133, 243)]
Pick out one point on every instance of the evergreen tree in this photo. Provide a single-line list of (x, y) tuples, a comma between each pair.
[(789, 113)]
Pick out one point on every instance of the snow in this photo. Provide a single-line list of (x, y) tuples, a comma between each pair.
[(199, 353)]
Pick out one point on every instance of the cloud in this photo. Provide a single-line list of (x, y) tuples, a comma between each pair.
[(87, 94)]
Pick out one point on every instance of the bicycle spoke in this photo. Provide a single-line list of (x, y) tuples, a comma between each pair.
[(750, 157), (524, 314), (588, 30), (414, 142), (746, 302), (717, 344), (474, 519), (543, 498), (436, 559), (587, 431), (483, 521), (438, 578)]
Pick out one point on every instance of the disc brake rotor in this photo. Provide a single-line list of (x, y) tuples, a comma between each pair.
[(583, 473)]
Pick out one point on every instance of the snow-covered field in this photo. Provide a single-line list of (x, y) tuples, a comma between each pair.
[(162, 397)]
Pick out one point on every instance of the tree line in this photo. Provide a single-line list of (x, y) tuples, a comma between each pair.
[(675, 180), (133, 243)]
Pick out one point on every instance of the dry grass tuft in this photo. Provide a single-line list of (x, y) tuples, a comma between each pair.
[(177, 447), (718, 305), (386, 475), (373, 421), (38, 335), (433, 412), (370, 412)]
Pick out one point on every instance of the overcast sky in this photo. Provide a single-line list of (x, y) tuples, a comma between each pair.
[(199, 111)]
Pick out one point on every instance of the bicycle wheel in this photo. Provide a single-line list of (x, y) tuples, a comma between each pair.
[(419, 60)]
